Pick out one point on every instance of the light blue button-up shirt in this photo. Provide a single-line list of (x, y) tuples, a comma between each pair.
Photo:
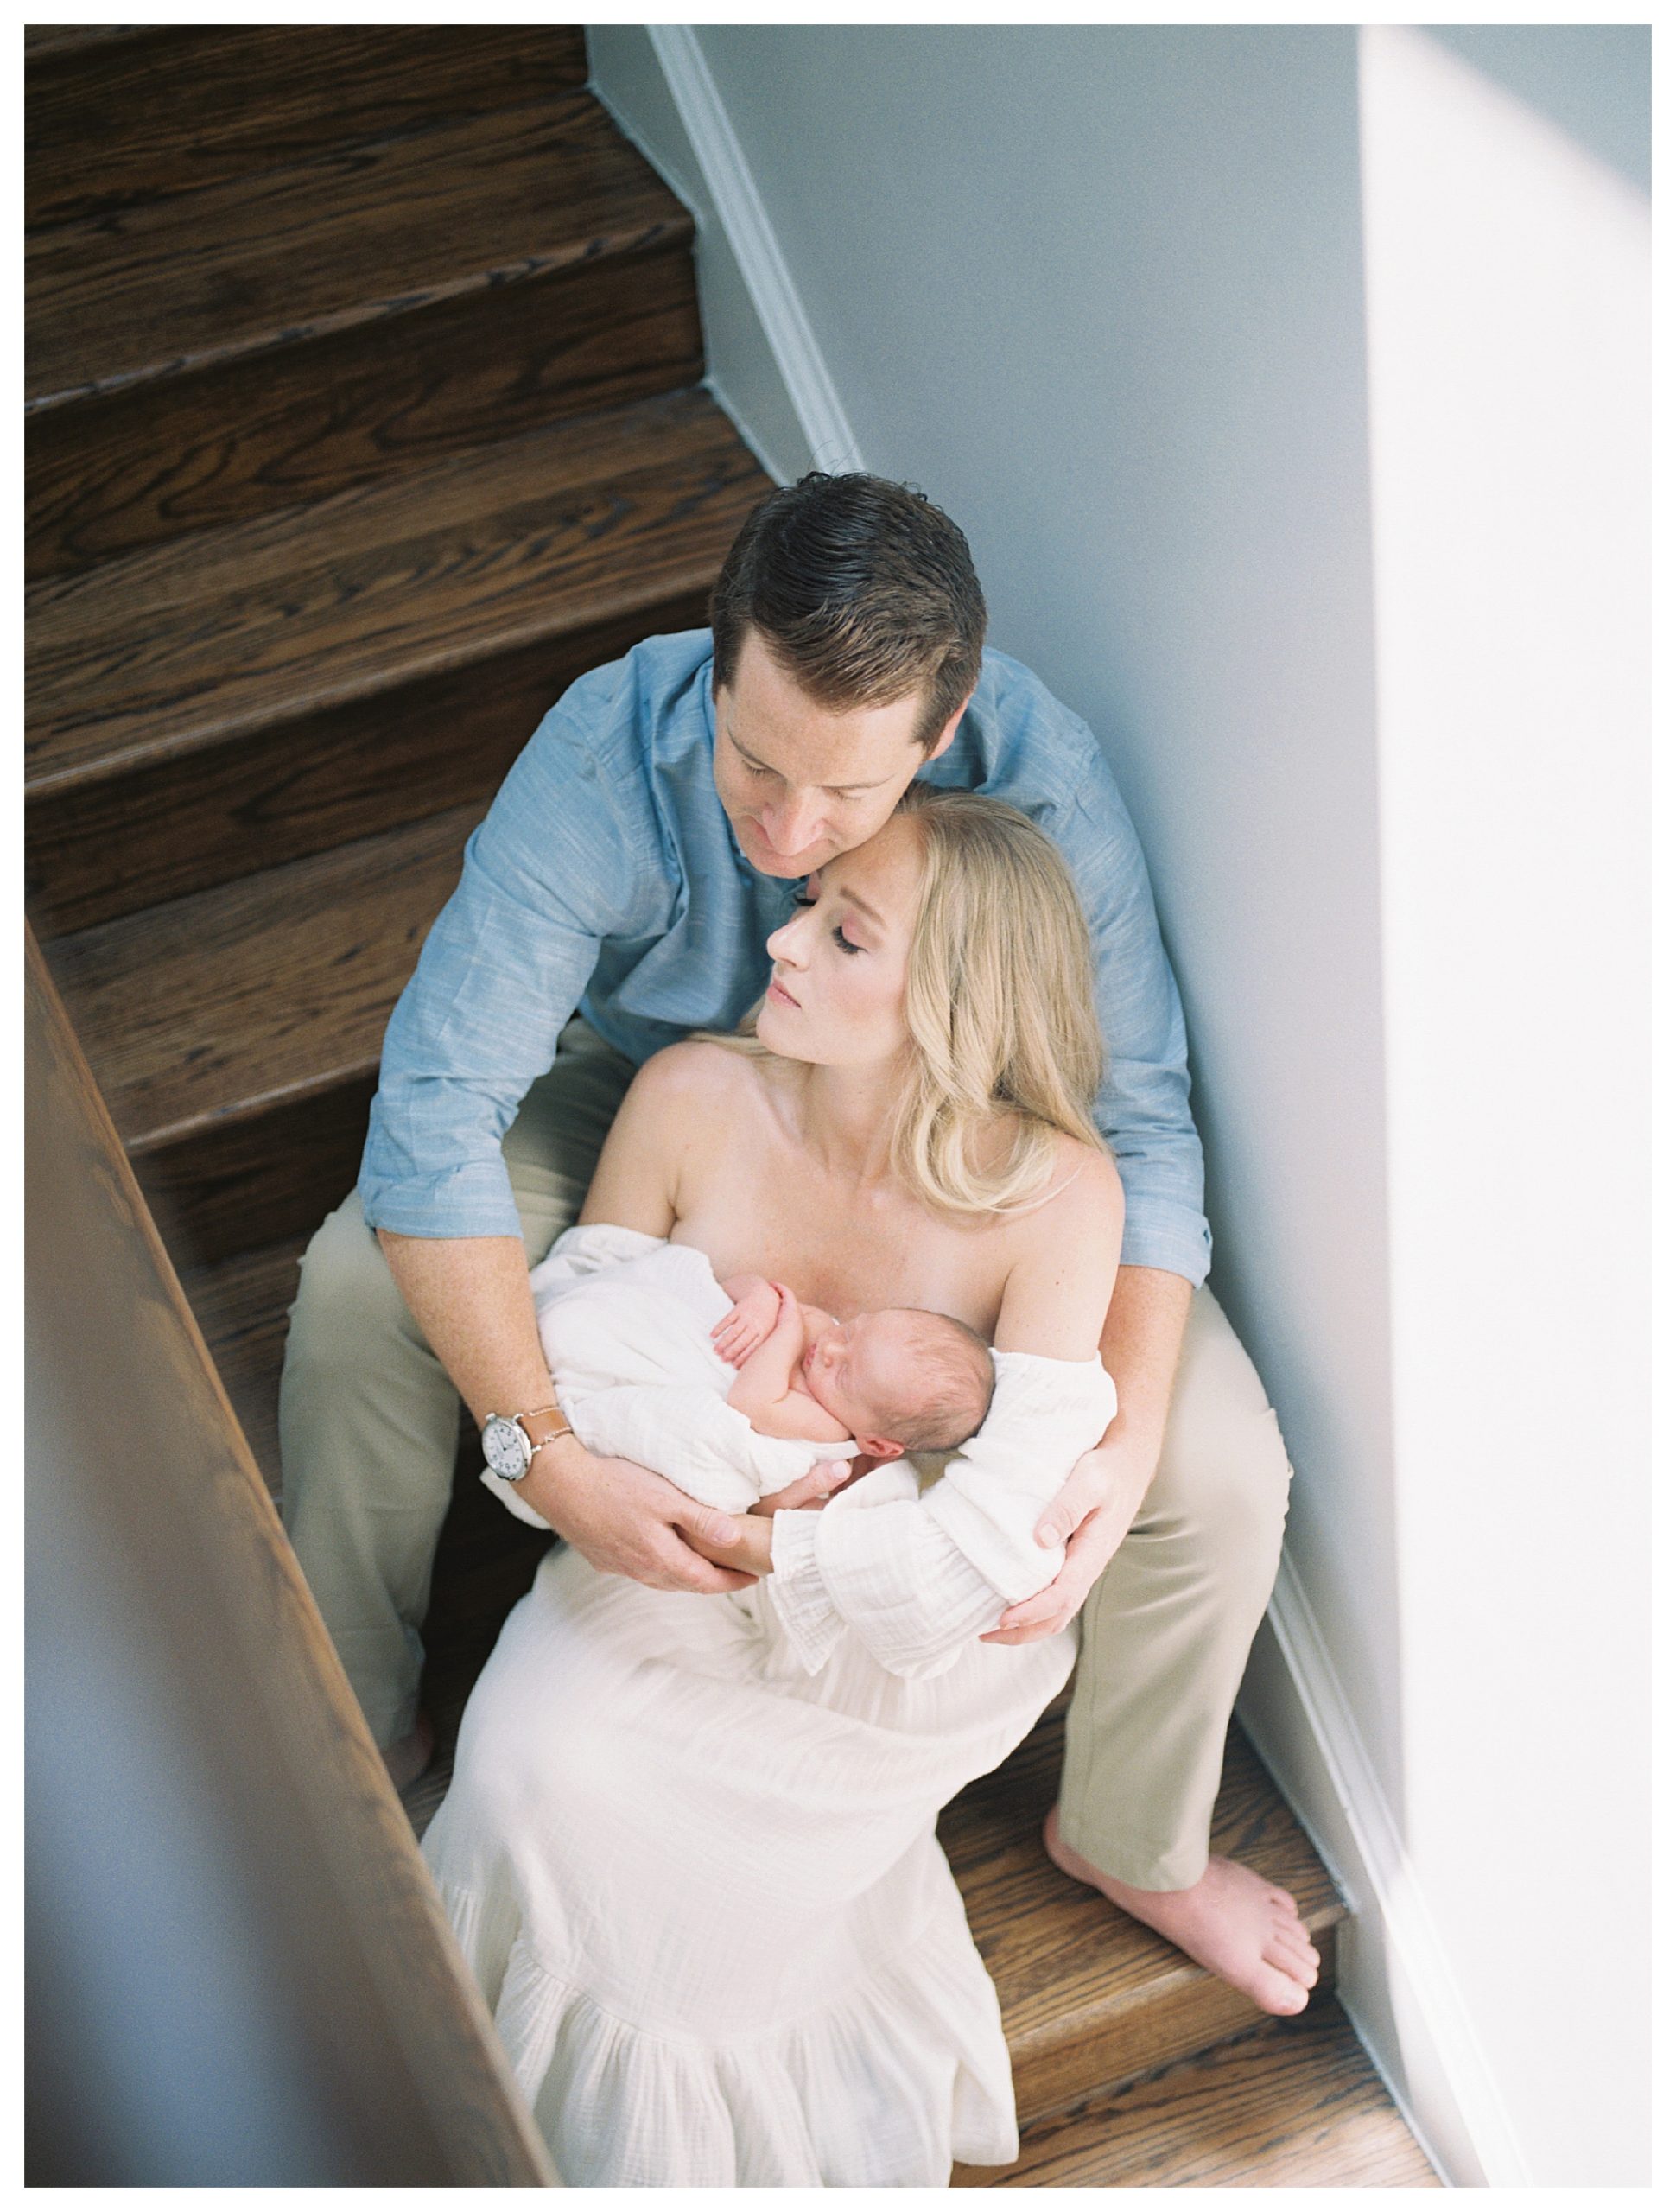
[(607, 876)]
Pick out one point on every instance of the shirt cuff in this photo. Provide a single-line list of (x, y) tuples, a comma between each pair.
[(499, 1487), (797, 1592), (1157, 1234), (463, 1202)]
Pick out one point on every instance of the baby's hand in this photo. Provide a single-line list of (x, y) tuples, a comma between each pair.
[(748, 1327)]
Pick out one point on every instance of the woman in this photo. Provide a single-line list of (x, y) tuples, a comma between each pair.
[(690, 1847)]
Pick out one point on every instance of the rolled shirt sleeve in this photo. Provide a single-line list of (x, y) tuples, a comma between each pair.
[(1142, 1107), (557, 865)]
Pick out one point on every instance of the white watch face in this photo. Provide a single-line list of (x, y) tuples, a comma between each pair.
[(506, 1447)]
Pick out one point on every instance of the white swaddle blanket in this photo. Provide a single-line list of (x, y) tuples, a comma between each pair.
[(625, 1323)]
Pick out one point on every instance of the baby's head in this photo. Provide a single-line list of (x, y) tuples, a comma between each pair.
[(902, 1380)]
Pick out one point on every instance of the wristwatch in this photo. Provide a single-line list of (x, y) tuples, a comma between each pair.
[(511, 1441)]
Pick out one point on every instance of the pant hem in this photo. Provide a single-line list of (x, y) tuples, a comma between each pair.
[(1138, 1864)]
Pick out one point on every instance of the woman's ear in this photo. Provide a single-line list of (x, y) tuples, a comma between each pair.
[(880, 1447)]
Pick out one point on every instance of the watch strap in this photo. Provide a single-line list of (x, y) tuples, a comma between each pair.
[(546, 1424)]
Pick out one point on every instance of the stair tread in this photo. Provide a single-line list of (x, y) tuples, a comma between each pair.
[(173, 113), (234, 628), (45, 42), (1295, 2104), (269, 259), (278, 986), (1063, 1960)]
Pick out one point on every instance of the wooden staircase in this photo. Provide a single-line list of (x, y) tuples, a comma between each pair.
[(364, 413)]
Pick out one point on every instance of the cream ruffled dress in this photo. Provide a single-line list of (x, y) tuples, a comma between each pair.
[(690, 1848)]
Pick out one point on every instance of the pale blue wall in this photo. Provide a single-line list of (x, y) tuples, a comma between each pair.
[(1098, 292)]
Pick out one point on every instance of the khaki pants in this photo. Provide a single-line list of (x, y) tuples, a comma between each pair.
[(369, 1423)]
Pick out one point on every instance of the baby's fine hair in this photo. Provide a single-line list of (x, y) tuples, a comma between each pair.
[(954, 1382)]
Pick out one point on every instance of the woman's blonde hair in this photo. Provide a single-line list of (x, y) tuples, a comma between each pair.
[(998, 1007)]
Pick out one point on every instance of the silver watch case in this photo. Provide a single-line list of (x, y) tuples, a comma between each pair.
[(507, 1450)]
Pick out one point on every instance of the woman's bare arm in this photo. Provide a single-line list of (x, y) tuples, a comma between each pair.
[(1058, 1290)]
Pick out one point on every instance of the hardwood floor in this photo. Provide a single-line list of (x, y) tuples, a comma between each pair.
[(1294, 2104)]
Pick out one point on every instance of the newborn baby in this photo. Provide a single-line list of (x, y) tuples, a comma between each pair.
[(643, 1344), (900, 1380)]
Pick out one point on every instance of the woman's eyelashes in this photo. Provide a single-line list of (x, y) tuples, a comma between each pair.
[(844, 945)]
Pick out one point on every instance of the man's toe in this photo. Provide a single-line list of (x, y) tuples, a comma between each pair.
[(1278, 1991)]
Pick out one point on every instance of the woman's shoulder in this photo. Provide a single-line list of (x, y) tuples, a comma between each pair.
[(699, 1075), (1085, 1184)]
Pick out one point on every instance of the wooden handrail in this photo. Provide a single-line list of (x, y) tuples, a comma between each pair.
[(240, 1971)]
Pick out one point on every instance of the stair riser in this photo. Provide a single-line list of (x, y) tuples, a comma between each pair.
[(309, 785), (1170, 2024), (112, 472), (262, 1178)]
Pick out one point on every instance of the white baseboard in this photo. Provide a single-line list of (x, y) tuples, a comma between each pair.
[(745, 221), (1394, 1977)]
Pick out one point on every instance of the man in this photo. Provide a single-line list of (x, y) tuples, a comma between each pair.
[(644, 846)]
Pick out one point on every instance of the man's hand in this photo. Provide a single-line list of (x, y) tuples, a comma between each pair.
[(625, 1520), (757, 1306), (1091, 1516)]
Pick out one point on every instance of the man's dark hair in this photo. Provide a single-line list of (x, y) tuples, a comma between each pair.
[(863, 592)]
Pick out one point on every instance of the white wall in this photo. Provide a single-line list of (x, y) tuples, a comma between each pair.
[(1507, 322), (1101, 291), (741, 370)]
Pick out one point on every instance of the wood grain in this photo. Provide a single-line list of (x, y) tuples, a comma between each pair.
[(1089, 1996), (358, 406), (201, 1587), (241, 629), (97, 850), (223, 1006), (54, 42), (186, 733), (1294, 2104), (258, 1178), (356, 235), (145, 118)]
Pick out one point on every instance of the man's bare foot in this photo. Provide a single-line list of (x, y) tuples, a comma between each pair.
[(406, 1759), (1232, 1922)]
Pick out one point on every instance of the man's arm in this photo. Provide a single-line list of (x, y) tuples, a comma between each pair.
[(1141, 1346), (471, 1297)]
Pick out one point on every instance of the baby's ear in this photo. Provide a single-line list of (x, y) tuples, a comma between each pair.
[(880, 1447)]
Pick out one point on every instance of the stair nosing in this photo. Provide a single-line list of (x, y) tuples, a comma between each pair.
[(642, 241), (148, 1142), (1068, 2025), (183, 743)]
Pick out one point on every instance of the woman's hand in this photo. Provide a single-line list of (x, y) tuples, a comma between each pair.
[(757, 1307), (747, 1546)]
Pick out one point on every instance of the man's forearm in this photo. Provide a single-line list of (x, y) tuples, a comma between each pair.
[(1141, 1346), (471, 1297)]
